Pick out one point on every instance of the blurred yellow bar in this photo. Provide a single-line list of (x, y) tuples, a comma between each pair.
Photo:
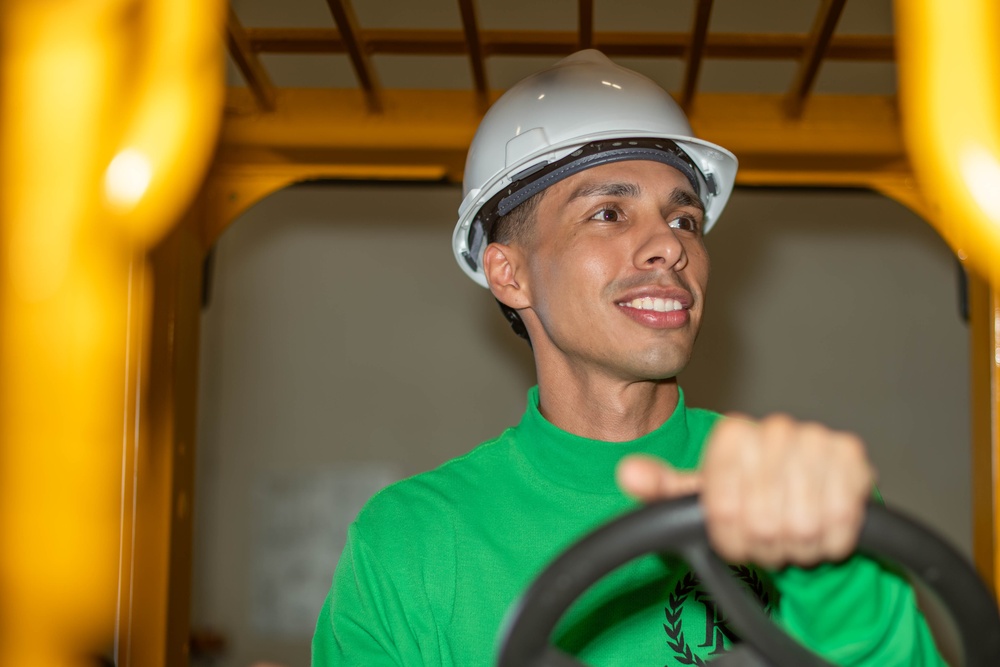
[(109, 110), (949, 86)]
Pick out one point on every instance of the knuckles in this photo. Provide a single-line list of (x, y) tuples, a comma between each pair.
[(780, 491), (722, 510), (804, 528), (764, 531)]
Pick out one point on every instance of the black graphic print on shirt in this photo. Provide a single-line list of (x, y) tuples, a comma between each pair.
[(687, 636)]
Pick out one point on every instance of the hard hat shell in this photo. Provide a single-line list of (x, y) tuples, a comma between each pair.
[(581, 99)]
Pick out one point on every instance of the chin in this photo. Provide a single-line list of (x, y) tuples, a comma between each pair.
[(657, 368)]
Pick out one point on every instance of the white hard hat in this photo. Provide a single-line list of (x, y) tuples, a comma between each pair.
[(583, 111)]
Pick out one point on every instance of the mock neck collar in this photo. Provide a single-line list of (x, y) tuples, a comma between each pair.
[(588, 465)]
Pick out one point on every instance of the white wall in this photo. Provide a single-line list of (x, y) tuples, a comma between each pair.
[(342, 346)]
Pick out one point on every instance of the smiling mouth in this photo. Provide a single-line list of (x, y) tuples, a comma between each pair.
[(657, 305)]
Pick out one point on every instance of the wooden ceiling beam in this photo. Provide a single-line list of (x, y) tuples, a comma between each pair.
[(244, 56), (819, 39), (352, 39), (842, 128), (850, 141), (866, 48), (474, 48), (695, 51), (585, 39)]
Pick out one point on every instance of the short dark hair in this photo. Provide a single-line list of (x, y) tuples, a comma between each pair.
[(515, 227)]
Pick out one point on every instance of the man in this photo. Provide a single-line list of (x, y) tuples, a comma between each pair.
[(586, 201)]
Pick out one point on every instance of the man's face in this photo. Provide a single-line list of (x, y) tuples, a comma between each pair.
[(616, 272)]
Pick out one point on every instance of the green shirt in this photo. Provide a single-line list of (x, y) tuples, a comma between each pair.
[(434, 563)]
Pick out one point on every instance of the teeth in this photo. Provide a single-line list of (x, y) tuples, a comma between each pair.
[(658, 305)]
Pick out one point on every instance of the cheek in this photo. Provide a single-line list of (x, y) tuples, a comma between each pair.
[(699, 267), (575, 265), (595, 271), (570, 281)]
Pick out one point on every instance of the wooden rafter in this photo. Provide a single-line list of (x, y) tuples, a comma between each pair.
[(586, 13), (819, 38), (352, 38), (850, 141), (242, 52), (475, 49), (322, 126), (867, 48), (695, 52)]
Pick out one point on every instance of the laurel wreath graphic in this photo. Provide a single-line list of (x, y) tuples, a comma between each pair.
[(675, 604), (749, 577), (675, 636)]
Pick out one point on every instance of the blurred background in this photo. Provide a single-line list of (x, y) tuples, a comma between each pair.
[(229, 310), (342, 348)]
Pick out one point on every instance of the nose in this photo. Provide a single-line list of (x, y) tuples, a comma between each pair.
[(660, 248)]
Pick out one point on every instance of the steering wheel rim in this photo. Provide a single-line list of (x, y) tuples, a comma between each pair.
[(678, 527)]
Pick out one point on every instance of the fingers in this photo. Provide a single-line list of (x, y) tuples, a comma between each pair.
[(727, 469), (804, 520), (774, 492), (780, 491), (846, 496), (646, 478), (766, 492)]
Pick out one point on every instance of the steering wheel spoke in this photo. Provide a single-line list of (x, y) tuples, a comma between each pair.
[(677, 527), (553, 657), (740, 656)]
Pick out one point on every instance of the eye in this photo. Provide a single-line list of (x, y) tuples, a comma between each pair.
[(686, 222), (607, 215)]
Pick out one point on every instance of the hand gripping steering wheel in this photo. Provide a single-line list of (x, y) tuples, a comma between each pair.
[(678, 527)]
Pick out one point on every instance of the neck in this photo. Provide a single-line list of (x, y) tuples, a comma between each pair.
[(603, 408)]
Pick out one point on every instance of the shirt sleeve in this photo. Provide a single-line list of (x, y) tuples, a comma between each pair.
[(859, 613), (361, 623)]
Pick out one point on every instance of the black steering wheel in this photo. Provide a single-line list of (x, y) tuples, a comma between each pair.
[(678, 527)]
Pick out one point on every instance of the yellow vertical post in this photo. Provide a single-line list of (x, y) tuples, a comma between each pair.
[(108, 116), (949, 69), (160, 527), (984, 361)]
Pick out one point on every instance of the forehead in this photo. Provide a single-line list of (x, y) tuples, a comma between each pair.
[(625, 178)]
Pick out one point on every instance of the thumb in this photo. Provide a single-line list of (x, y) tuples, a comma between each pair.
[(647, 478)]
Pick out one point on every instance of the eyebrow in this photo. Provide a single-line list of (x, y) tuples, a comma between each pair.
[(679, 197), (606, 190), (682, 197)]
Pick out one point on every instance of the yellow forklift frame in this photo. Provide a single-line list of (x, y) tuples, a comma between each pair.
[(111, 196)]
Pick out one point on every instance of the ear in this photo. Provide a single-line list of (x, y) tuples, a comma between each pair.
[(503, 268)]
